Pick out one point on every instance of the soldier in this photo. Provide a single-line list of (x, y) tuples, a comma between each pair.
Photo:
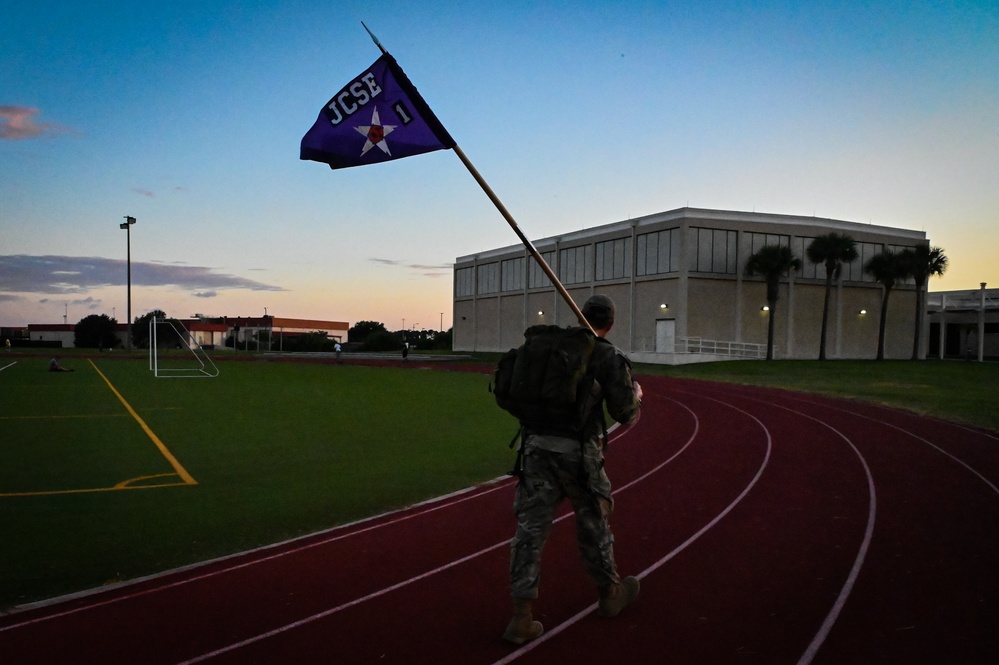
[(556, 467)]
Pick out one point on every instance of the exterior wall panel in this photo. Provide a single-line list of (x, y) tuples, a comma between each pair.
[(711, 309)]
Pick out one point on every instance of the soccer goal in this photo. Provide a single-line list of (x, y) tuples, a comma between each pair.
[(174, 353)]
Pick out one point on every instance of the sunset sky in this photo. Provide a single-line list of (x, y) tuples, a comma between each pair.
[(188, 116)]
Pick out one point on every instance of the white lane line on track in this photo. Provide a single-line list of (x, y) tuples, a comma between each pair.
[(376, 594), (967, 466), (548, 634), (858, 562), (452, 564), (434, 505), (333, 610)]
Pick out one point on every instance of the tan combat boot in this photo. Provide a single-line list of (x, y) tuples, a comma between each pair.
[(522, 627), (614, 597)]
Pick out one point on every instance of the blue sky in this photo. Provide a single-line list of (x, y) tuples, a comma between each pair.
[(188, 116)]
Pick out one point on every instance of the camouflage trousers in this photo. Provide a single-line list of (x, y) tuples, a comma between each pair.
[(548, 478)]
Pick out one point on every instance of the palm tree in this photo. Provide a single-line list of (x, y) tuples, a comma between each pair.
[(772, 262), (887, 267), (924, 262), (833, 250)]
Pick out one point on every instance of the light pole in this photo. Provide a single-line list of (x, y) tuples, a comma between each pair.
[(127, 225)]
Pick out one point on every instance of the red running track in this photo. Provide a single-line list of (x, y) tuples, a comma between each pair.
[(766, 526)]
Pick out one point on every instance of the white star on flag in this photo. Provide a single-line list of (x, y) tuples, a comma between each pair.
[(375, 133)]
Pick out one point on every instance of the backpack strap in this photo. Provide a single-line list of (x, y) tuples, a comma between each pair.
[(518, 464)]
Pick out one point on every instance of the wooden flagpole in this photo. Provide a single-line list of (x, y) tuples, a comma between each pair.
[(524, 239), (509, 219)]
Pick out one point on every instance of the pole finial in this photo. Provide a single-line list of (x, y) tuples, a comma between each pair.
[(374, 39)]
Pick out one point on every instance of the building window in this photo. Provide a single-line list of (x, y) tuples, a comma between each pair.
[(512, 271), (536, 277), (898, 249), (714, 251), (854, 271), (613, 259), (572, 265), (808, 270), (488, 278), (658, 253), (463, 282), (758, 241)]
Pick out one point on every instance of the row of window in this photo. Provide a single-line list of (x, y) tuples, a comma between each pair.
[(657, 253)]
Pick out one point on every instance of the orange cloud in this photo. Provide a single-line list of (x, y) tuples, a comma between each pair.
[(18, 123)]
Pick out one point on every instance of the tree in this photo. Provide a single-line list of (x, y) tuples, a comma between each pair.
[(140, 329), (96, 331), (317, 340), (444, 340), (772, 262), (382, 340), (360, 331), (924, 262), (419, 339), (832, 250), (887, 267)]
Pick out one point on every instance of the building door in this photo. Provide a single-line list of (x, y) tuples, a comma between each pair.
[(665, 335), (952, 341)]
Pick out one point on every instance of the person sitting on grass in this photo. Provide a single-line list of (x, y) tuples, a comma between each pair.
[(54, 366)]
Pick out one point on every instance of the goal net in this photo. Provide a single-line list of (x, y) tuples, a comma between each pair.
[(175, 353)]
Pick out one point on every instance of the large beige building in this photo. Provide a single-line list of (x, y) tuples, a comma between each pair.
[(678, 280)]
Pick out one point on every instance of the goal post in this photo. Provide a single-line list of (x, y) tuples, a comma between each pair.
[(174, 353)]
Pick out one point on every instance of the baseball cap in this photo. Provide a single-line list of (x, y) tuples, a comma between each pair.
[(598, 302)]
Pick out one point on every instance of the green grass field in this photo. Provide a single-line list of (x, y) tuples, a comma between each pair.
[(953, 390), (276, 450), (269, 451)]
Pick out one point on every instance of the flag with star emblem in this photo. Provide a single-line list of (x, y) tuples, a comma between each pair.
[(377, 117)]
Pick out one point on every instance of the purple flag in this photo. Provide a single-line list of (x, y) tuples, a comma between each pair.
[(377, 117)]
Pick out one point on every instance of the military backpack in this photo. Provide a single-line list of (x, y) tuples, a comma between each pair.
[(545, 382)]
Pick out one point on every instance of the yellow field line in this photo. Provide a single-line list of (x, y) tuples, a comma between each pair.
[(91, 490), (126, 484), (82, 415), (184, 475)]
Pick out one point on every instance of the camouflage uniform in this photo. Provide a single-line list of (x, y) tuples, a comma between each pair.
[(558, 467)]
